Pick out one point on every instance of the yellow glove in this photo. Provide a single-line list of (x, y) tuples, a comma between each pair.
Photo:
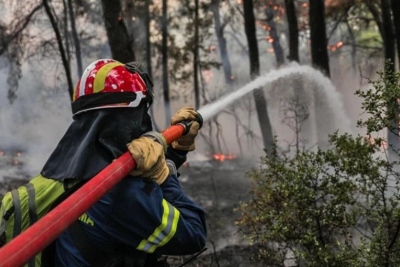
[(186, 142), (150, 159)]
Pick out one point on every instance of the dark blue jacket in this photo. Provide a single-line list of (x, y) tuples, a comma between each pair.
[(143, 215)]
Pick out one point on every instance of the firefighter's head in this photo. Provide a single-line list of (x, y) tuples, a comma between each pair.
[(107, 83)]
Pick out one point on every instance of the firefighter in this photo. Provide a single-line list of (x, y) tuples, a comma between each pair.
[(147, 214)]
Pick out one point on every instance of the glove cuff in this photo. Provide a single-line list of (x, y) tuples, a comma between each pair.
[(158, 137)]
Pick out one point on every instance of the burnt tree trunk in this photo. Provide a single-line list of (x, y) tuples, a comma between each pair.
[(259, 98), (293, 31), (118, 37), (164, 51), (389, 51), (64, 56), (303, 97), (75, 38), (396, 23), (319, 42), (196, 56), (320, 60), (149, 64), (273, 32)]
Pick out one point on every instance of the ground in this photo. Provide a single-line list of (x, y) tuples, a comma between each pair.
[(218, 187)]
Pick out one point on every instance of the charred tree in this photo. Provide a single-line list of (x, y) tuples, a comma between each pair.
[(320, 60), (117, 33), (164, 52), (293, 31), (389, 52), (148, 34), (196, 56), (149, 65), (319, 42), (388, 36), (301, 96), (63, 54), (396, 22), (273, 32), (75, 38), (259, 98)]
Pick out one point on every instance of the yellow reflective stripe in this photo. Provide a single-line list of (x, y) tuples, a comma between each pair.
[(164, 232), (101, 75), (173, 228), (2, 220)]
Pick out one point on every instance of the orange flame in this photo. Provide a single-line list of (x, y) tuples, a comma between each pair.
[(223, 157)]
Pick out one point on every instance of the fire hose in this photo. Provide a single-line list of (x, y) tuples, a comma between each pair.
[(37, 237)]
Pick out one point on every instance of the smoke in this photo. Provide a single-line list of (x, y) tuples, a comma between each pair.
[(34, 123)]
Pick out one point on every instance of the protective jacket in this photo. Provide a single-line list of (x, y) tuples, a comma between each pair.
[(137, 215), (143, 215)]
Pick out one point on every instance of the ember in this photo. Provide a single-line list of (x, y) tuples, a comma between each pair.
[(223, 157)]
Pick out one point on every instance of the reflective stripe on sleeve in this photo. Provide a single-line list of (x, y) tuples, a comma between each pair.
[(31, 203), (17, 212), (164, 232), (2, 220)]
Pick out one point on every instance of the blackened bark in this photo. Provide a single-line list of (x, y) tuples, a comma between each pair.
[(388, 36), (118, 37), (61, 48), (75, 39), (164, 51), (389, 51), (148, 34), (319, 42), (273, 32), (293, 31), (149, 64), (196, 56), (320, 60), (396, 22), (259, 98)]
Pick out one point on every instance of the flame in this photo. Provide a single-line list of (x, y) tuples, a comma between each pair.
[(223, 157), (1, 153), (335, 46)]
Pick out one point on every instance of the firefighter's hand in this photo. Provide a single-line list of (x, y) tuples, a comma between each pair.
[(187, 141), (149, 158)]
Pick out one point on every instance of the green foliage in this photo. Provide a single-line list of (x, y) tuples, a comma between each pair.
[(381, 102), (334, 207)]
